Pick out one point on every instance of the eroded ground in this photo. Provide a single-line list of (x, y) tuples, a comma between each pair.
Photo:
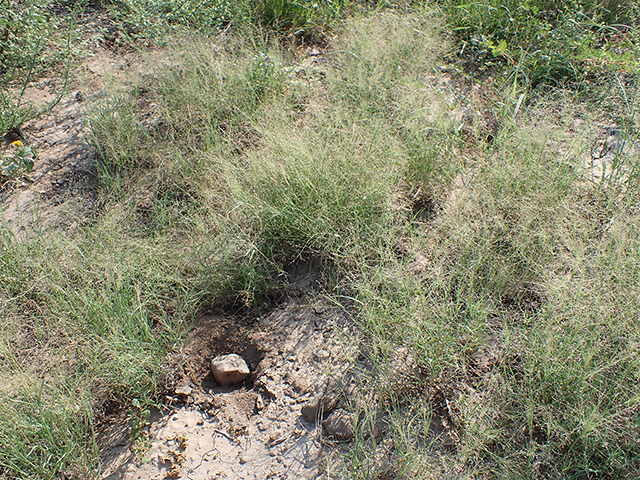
[(255, 430)]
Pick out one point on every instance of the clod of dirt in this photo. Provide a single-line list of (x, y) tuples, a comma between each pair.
[(317, 408), (403, 369), (338, 425), (229, 369)]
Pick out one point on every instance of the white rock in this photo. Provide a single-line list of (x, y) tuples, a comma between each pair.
[(229, 369), (183, 390)]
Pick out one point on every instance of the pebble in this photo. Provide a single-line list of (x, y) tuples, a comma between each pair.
[(275, 436), (183, 390), (322, 354)]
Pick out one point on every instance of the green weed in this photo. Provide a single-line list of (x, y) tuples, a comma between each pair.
[(32, 41), (546, 42), (21, 161), (152, 20)]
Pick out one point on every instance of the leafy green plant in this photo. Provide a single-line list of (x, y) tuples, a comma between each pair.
[(139, 417), (24, 29), (19, 162), (31, 43), (546, 42)]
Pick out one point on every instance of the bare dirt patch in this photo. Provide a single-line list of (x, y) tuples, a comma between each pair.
[(63, 175), (60, 192), (255, 430)]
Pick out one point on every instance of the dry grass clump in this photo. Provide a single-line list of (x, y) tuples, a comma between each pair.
[(525, 303)]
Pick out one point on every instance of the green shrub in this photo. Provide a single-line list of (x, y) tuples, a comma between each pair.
[(24, 30), (198, 14), (32, 42), (304, 15), (146, 18), (547, 42)]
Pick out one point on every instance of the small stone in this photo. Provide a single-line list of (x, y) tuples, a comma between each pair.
[(318, 407), (338, 425), (259, 402), (229, 369), (183, 390), (276, 436), (322, 354)]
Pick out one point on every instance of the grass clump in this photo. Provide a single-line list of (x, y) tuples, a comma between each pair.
[(51, 434), (299, 177), (512, 311), (82, 326)]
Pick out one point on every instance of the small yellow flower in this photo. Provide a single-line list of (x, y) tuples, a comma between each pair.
[(17, 143)]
